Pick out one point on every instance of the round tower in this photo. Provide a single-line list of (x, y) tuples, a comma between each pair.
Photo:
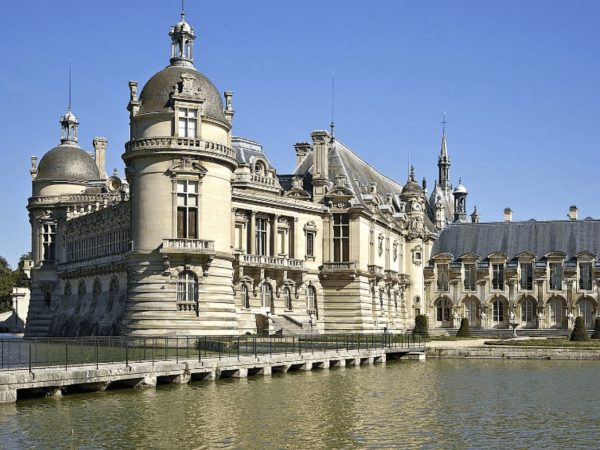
[(179, 164)]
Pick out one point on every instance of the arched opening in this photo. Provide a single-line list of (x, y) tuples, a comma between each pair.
[(442, 313), (245, 297), (557, 313), (499, 312), (287, 295), (266, 294), (470, 311), (526, 311), (311, 301), (585, 309)]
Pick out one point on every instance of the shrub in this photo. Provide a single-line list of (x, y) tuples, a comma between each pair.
[(464, 331), (596, 333), (579, 333), (421, 325)]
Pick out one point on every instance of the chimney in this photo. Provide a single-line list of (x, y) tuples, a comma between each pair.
[(508, 215), (573, 212), (475, 216), (302, 149), (100, 145)]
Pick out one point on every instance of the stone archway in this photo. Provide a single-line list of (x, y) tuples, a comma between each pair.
[(586, 307), (557, 312), (471, 307), (525, 312)]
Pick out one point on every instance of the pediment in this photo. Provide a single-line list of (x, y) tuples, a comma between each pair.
[(187, 166)]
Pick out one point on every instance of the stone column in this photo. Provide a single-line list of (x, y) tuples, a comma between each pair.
[(275, 229), (297, 250), (253, 233)]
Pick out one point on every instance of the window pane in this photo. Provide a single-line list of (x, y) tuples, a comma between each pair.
[(192, 187), (181, 186), (192, 223), (182, 128), (181, 231), (191, 128)]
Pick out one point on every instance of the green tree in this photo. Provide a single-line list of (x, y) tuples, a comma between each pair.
[(464, 330), (10, 279), (579, 333), (421, 326), (596, 333)]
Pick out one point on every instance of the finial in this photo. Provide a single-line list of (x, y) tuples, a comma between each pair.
[(444, 123), (460, 181), (69, 85), (412, 173), (332, 104), (182, 10)]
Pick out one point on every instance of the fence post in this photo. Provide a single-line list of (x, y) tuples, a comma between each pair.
[(97, 353), (126, 353), (29, 357), (67, 354)]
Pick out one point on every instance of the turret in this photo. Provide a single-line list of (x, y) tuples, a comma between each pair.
[(460, 203)]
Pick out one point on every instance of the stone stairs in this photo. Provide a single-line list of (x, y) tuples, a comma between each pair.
[(284, 325)]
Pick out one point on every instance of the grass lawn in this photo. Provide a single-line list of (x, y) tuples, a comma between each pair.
[(562, 342)]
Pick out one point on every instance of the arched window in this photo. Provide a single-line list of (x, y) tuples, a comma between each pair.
[(498, 311), (187, 292), (311, 301), (245, 296), (287, 295), (585, 311), (96, 291), (67, 294), (443, 310), (556, 313), (527, 311), (112, 293), (471, 311), (81, 290), (265, 293)]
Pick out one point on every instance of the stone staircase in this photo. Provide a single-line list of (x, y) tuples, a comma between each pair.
[(284, 325)]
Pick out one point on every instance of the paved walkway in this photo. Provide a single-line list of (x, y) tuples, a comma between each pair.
[(467, 343)]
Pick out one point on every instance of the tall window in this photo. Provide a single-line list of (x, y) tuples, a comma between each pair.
[(443, 311), (341, 238), (261, 236), (187, 292), (113, 290), (311, 300), (470, 277), (471, 311), (585, 311), (188, 119), (526, 276), (442, 277), (187, 209), (266, 294), (245, 296), (585, 276), (49, 240), (498, 277), (556, 276), (527, 311), (498, 311), (287, 295), (556, 313), (310, 244), (96, 291)]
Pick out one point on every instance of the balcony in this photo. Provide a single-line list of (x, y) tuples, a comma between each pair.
[(376, 271), (341, 268), (188, 246), (269, 262), (391, 275), (253, 180)]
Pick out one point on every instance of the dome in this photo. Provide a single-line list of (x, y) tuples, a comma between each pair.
[(67, 162), (411, 188), (155, 96), (182, 26), (460, 189)]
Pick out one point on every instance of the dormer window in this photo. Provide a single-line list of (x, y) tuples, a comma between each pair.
[(442, 277), (526, 280), (585, 276), (498, 277), (556, 276), (470, 274), (188, 122)]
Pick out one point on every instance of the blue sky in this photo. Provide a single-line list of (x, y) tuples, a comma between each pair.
[(518, 80)]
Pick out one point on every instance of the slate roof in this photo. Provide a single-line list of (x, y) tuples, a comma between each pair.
[(359, 174), (247, 150), (568, 236)]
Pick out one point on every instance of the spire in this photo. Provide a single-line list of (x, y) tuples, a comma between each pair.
[(332, 104), (182, 42), (443, 159), (69, 122)]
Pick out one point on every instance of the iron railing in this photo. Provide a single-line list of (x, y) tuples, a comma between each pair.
[(43, 353)]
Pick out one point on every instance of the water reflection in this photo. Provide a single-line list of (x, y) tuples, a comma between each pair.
[(439, 404)]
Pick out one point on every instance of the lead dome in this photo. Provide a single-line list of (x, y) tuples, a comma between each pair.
[(67, 162)]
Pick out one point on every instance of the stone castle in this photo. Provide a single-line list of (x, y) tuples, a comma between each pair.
[(202, 236)]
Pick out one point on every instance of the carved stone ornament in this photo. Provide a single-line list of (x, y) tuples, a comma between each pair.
[(395, 250), (187, 166), (416, 228), (297, 190), (188, 87), (380, 245), (46, 215)]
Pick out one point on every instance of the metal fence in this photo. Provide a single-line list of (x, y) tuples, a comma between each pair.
[(40, 353)]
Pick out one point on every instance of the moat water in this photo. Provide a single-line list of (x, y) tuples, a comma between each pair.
[(437, 404)]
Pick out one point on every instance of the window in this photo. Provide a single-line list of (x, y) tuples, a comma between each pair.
[(527, 311), (471, 311), (310, 244), (470, 275), (238, 236), (113, 290), (498, 277), (187, 209), (311, 300), (443, 311), (245, 296), (498, 311), (526, 276), (81, 291), (556, 309), (49, 240), (585, 311), (265, 292), (585, 276), (442, 277), (281, 242), (96, 291), (187, 292), (188, 118), (341, 238), (556, 276), (287, 295), (261, 236)]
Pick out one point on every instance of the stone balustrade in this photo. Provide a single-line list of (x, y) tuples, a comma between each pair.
[(179, 143), (276, 262), (202, 246)]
